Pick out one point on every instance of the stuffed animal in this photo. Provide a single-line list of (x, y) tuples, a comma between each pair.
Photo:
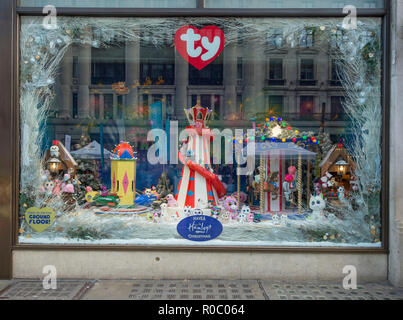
[(317, 204), (340, 193), (215, 212), (57, 190), (230, 205), (201, 204), (187, 211), (197, 212), (54, 152), (49, 186), (171, 201), (276, 218), (272, 186), (244, 214), (289, 186), (242, 196)]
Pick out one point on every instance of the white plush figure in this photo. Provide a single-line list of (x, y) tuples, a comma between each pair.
[(187, 211), (200, 204), (164, 212), (317, 204), (276, 219), (244, 214), (340, 193), (54, 152), (225, 216), (197, 211), (284, 217)]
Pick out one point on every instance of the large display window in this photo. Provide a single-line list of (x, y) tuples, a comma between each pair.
[(201, 131)]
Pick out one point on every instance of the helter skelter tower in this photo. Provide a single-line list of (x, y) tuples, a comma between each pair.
[(198, 184)]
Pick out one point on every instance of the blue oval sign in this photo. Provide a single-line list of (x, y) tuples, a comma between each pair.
[(199, 228)]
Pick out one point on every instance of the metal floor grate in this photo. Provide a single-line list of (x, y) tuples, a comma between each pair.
[(33, 290), (318, 291), (183, 290)]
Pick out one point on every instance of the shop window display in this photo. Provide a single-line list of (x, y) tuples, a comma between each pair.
[(126, 133)]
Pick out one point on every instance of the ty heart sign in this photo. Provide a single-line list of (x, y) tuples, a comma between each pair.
[(199, 47)]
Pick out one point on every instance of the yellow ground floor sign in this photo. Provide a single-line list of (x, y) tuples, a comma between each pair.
[(40, 219)]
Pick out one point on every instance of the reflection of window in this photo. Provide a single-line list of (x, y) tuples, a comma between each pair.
[(306, 39), (276, 38), (108, 106), (337, 110), (239, 68), (209, 75), (157, 73), (337, 72), (336, 37), (276, 69), (306, 105), (276, 104), (75, 105), (108, 65), (75, 67), (307, 69), (205, 100)]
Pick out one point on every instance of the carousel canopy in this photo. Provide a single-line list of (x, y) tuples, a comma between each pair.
[(283, 149), (91, 151)]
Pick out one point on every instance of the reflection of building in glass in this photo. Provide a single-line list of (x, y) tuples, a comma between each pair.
[(245, 81)]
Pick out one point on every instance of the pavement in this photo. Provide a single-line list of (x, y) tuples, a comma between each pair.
[(33, 289)]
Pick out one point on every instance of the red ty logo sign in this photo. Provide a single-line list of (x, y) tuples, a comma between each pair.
[(199, 47)]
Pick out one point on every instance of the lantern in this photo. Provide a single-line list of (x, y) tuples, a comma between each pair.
[(341, 167), (54, 165)]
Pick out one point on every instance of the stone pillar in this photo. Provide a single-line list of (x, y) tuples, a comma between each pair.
[(291, 76), (230, 80), (181, 82), (259, 77), (101, 107), (66, 110), (132, 74), (395, 273), (84, 80), (115, 107), (92, 106), (249, 59)]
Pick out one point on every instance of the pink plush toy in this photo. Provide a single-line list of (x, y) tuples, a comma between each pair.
[(171, 201), (57, 188), (291, 170), (104, 192), (231, 205), (68, 188)]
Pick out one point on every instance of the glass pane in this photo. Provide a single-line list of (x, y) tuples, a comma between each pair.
[(113, 112), (292, 4), (110, 3)]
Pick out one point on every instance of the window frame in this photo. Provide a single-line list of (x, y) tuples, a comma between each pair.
[(13, 112)]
